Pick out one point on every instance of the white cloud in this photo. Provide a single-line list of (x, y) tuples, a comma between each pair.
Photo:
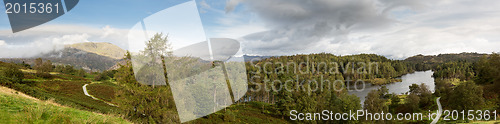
[(39, 46), (204, 6), (2, 42), (107, 31), (237, 31), (47, 38), (231, 4), (394, 28)]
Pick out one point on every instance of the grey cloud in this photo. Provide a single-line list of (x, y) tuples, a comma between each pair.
[(296, 24), (392, 4)]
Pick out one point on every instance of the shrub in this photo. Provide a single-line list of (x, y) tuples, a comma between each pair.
[(101, 77), (45, 75), (229, 116), (13, 73)]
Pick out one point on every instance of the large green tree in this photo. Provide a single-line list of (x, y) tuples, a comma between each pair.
[(466, 96), (375, 102), (141, 101)]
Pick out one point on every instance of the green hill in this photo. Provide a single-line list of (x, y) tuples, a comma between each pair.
[(427, 62), (250, 112), (16, 107)]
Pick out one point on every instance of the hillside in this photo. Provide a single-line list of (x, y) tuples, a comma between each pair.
[(89, 56), (16, 107), (445, 57), (65, 89), (422, 62), (254, 112), (100, 48)]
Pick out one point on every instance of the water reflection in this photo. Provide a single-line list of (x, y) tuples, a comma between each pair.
[(397, 87)]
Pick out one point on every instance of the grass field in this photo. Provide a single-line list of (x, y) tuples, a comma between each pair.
[(104, 90), (254, 112), (16, 107), (64, 89)]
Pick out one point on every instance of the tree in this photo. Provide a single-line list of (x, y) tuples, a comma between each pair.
[(140, 102), (413, 88), (395, 103), (43, 68), (375, 103), (153, 60), (80, 72), (487, 70), (285, 102), (349, 103), (47, 66), (38, 63), (412, 102), (105, 75), (23, 64), (466, 96), (383, 92), (423, 93), (66, 69), (12, 71), (101, 77)]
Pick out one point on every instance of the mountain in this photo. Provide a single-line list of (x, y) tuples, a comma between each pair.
[(89, 55), (248, 58), (100, 48)]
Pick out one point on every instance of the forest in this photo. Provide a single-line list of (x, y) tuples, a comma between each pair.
[(466, 81)]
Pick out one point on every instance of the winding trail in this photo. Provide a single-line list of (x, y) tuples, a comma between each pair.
[(87, 94), (440, 111)]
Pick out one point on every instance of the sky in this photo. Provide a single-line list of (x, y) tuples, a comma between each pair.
[(396, 29)]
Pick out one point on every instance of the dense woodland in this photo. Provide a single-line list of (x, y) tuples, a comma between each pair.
[(466, 81)]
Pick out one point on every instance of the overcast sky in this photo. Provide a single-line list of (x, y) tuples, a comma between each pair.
[(394, 28)]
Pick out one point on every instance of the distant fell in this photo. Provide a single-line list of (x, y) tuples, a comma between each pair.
[(91, 56), (71, 56), (441, 58), (426, 62), (100, 48)]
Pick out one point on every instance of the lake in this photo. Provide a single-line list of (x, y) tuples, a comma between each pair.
[(396, 87)]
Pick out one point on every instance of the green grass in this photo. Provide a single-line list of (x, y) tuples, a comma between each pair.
[(64, 89), (16, 109), (251, 112), (104, 90), (485, 122), (382, 81)]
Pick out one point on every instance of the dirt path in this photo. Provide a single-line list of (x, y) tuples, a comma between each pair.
[(440, 111)]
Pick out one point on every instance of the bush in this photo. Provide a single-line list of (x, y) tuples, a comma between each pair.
[(466, 96), (12, 72), (80, 73), (44, 75), (101, 77), (229, 116)]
